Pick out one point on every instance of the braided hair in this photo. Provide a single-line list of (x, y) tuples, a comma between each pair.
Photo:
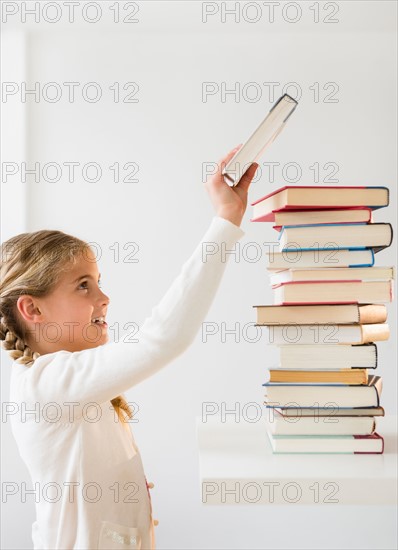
[(31, 263)]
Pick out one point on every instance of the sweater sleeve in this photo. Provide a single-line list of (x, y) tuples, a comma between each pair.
[(102, 373)]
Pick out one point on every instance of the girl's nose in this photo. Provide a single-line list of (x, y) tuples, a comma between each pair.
[(104, 298)]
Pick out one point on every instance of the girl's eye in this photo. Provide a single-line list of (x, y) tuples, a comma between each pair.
[(84, 285)]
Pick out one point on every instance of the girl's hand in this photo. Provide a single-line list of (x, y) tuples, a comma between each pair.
[(230, 202)]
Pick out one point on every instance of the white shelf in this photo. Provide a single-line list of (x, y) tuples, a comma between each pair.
[(237, 466)]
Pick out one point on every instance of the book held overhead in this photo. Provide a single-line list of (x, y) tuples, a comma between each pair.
[(260, 139)]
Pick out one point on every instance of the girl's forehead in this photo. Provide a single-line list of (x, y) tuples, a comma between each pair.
[(88, 255), (87, 260), (84, 264)]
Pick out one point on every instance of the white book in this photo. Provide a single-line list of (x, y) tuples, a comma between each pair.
[(259, 140), (334, 236), (351, 444), (318, 334), (331, 274), (319, 258), (326, 357), (317, 395), (321, 425), (305, 217), (330, 292)]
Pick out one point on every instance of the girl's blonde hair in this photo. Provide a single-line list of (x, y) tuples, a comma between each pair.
[(31, 263)]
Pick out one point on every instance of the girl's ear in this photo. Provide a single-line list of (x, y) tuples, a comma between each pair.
[(28, 309)]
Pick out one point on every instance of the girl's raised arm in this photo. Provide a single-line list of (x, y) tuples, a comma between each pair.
[(102, 373)]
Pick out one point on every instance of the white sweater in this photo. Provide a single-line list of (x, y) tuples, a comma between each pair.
[(84, 463)]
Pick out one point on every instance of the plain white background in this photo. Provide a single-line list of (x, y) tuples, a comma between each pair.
[(171, 133)]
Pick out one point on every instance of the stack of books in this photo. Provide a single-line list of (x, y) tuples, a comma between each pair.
[(328, 313)]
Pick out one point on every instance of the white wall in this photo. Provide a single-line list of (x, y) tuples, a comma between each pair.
[(170, 132)]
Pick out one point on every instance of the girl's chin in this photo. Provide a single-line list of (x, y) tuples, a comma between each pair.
[(95, 331)]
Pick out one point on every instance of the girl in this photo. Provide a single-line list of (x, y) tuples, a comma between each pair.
[(71, 428)]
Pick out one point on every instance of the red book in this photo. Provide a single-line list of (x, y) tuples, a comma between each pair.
[(332, 216), (305, 197)]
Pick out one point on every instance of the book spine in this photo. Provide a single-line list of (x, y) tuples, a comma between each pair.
[(378, 331), (369, 215), (392, 232), (377, 396), (366, 265), (373, 436), (372, 313)]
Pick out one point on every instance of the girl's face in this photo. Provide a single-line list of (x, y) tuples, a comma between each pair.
[(64, 319)]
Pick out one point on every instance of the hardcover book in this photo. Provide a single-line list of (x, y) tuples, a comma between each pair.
[(304, 217), (316, 395), (260, 139), (307, 425), (349, 444), (331, 274), (324, 292), (327, 357), (306, 197), (335, 258), (304, 314), (335, 236), (318, 334)]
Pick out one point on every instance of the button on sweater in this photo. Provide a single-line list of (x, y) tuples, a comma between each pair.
[(84, 463)]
